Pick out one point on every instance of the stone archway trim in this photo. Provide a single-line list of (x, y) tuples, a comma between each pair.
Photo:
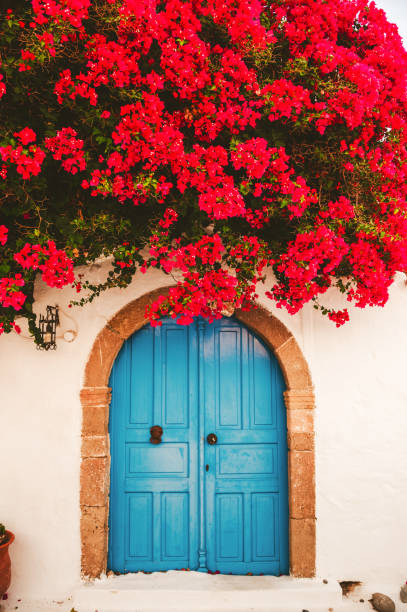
[(95, 463)]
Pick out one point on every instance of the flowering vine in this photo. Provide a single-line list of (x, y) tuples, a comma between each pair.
[(216, 140)]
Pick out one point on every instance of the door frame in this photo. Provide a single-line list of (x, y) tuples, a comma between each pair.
[(95, 453)]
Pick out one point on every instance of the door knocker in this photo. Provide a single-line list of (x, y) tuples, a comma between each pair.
[(156, 432)]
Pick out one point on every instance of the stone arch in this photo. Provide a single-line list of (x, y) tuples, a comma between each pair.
[(95, 461)]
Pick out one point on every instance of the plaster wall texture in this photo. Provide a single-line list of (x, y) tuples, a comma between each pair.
[(360, 421)]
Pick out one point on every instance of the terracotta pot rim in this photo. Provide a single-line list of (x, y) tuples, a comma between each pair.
[(10, 540)]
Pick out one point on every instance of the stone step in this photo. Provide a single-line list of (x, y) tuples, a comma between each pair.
[(199, 592)]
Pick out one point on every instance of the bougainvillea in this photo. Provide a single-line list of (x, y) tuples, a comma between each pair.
[(216, 140)]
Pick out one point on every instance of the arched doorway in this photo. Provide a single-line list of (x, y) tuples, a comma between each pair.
[(210, 493), (95, 464)]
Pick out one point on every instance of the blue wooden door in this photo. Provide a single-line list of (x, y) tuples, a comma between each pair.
[(246, 477), (154, 494), (185, 503)]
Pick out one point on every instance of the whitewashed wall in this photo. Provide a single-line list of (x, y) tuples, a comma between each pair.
[(359, 372)]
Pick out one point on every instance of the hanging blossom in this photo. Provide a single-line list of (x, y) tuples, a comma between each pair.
[(27, 157), (3, 234), (66, 147), (71, 11), (11, 295), (55, 265), (306, 267)]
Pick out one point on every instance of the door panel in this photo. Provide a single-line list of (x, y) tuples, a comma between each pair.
[(229, 527), (140, 512), (167, 459), (184, 503), (246, 460), (228, 393), (174, 511), (176, 376), (265, 545)]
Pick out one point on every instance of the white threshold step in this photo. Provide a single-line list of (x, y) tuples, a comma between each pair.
[(177, 591)]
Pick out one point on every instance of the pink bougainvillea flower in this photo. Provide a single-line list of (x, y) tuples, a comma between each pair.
[(227, 143)]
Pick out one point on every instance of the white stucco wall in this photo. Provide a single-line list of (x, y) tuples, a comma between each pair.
[(361, 424), (359, 373)]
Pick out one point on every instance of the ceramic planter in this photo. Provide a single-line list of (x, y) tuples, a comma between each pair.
[(5, 564)]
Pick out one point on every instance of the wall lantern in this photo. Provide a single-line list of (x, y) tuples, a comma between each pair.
[(48, 328)]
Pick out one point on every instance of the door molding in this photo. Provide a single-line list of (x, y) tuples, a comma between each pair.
[(95, 454)]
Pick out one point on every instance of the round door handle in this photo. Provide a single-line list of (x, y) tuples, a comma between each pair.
[(211, 439)]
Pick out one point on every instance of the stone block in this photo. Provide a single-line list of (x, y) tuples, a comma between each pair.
[(299, 399), (103, 354), (132, 317), (294, 366), (302, 547), (95, 420), (265, 325), (300, 441), (94, 481), (95, 446), (299, 421), (301, 467), (94, 540)]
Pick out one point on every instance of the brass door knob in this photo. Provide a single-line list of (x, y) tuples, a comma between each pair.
[(211, 439)]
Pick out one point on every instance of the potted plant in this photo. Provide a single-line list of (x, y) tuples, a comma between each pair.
[(6, 538)]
